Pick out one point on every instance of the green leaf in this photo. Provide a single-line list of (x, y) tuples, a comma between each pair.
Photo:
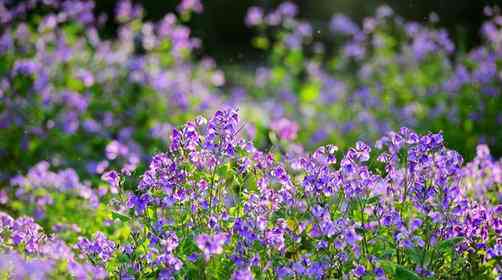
[(223, 171), (388, 266), (415, 254), (398, 271), (402, 273), (123, 258), (448, 244), (122, 217), (309, 92), (295, 59), (372, 200), (261, 43)]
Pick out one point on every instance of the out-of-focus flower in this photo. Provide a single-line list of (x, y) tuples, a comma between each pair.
[(285, 129), (211, 245)]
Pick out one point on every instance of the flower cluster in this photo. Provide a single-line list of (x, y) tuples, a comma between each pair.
[(202, 209), (43, 190), (483, 177), (343, 81), (28, 253), (61, 84), (100, 247), (107, 173)]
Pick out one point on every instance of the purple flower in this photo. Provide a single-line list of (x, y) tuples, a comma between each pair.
[(351, 237), (171, 262), (86, 270), (3, 197), (243, 273), (343, 24), (288, 9), (125, 11), (254, 16), (415, 224), (359, 271), (384, 11), (99, 247), (380, 273), (6, 42), (190, 5), (112, 178), (139, 203), (275, 238), (354, 50), (283, 272), (211, 245), (21, 268), (285, 129), (422, 45), (25, 67), (115, 149)]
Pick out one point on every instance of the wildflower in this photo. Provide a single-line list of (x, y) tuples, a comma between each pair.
[(211, 245), (359, 271), (285, 129), (243, 273)]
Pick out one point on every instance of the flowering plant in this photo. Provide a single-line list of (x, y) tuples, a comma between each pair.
[(342, 81), (107, 173), (62, 84), (214, 205)]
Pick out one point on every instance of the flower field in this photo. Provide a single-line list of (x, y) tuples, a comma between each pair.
[(354, 150)]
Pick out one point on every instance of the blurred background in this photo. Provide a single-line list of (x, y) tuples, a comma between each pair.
[(226, 38), (411, 79)]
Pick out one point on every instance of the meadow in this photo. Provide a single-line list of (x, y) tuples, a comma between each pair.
[(370, 152)]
